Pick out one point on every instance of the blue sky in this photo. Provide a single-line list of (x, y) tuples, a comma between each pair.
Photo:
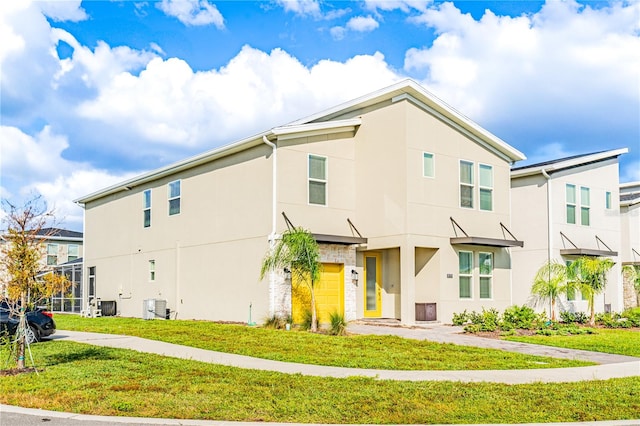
[(95, 92)]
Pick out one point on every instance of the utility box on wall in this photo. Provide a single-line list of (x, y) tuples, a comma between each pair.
[(154, 309)]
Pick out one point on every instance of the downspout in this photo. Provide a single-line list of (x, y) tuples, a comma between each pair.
[(272, 235), (549, 229)]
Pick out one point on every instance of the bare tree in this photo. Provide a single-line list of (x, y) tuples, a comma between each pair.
[(22, 251)]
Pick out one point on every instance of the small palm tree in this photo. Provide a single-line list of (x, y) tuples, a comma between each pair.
[(589, 274), (549, 284), (298, 251)]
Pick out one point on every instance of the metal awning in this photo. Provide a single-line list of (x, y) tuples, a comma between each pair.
[(484, 241), (583, 251)]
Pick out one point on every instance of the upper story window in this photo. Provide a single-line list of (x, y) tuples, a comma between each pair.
[(174, 197), (52, 254), (465, 274), (428, 165), (146, 208), (317, 180), (570, 197), (466, 184), (486, 187), (585, 204), (73, 252), (607, 200)]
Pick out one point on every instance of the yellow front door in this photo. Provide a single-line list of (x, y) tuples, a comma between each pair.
[(373, 285), (329, 292)]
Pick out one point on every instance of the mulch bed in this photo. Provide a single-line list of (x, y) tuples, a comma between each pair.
[(16, 371)]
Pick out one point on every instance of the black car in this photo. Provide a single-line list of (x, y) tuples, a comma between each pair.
[(41, 323)]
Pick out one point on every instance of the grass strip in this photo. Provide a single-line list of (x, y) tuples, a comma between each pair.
[(105, 381), (612, 341), (377, 352)]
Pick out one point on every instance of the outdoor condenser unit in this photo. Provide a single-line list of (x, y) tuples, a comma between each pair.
[(154, 309)]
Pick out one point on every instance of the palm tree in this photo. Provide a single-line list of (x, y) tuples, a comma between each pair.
[(589, 274), (549, 284), (298, 251)]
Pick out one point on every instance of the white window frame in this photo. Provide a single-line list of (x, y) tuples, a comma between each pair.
[(471, 185), (433, 164), (466, 275), (69, 255), (489, 275), (152, 270), (585, 206), (53, 255), (147, 208), (324, 181), (574, 203), (486, 188), (178, 197)]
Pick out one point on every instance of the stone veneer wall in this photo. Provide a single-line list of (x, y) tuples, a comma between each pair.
[(631, 296), (280, 291)]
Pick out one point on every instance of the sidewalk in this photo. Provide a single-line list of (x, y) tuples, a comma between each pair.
[(613, 366)]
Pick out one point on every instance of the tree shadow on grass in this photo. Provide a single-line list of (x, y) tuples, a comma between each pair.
[(85, 354)]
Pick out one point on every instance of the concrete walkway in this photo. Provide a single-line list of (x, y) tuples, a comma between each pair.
[(610, 367)]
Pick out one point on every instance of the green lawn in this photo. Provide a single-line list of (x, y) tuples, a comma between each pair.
[(379, 352), (104, 381), (613, 341)]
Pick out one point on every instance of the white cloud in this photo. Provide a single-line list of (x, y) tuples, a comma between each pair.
[(301, 7), (362, 24), (403, 5), (33, 165), (337, 32), (170, 104), (63, 10), (630, 172), (193, 12), (530, 68)]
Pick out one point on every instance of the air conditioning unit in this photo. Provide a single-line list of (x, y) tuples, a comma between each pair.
[(154, 309)]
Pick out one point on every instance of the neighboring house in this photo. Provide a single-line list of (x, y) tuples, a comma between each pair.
[(630, 226), (565, 209), (409, 201), (62, 247)]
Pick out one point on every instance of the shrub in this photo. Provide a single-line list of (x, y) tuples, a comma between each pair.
[(306, 320), (518, 317), (276, 322), (574, 317), (338, 326), (461, 318)]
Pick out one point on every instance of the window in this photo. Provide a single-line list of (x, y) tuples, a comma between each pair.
[(585, 203), (146, 207), (317, 180), (607, 200), (465, 276), (92, 282), (52, 254), (466, 184), (73, 252), (174, 197), (428, 166), (486, 274), (152, 270), (486, 187), (571, 203)]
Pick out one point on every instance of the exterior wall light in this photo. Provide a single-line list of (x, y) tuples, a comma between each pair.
[(354, 276)]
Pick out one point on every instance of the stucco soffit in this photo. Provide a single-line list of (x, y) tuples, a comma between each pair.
[(314, 129)]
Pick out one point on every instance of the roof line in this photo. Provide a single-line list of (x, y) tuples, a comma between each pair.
[(567, 163)]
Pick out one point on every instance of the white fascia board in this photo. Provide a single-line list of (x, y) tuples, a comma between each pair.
[(175, 167), (70, 239), (313, 129), (574, 162), (468, 128)]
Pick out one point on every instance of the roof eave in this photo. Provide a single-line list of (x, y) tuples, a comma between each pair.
[(575, 162)]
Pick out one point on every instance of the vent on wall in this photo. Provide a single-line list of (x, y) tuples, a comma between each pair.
[(426, 312)]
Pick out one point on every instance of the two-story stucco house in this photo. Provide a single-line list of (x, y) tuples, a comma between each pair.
[(630, 227), (564, 209), (409, 200)]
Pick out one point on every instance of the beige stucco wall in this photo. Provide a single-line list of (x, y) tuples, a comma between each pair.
[(208, 257), (531, 223)]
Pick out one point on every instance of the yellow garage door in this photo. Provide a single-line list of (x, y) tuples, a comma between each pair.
[(329, 294)]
